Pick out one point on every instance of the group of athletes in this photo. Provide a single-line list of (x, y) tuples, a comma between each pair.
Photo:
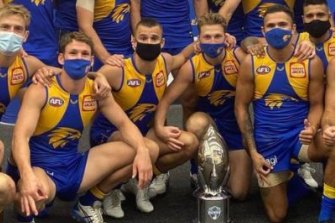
[(286, 75)]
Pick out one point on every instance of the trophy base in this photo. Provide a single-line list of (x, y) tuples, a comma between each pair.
[(213, 209)]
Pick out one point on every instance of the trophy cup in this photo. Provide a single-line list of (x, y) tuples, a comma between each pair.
[(213, 174)]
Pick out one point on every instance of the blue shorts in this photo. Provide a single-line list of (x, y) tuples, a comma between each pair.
[(277, 150), (230, 132), (67, 178)]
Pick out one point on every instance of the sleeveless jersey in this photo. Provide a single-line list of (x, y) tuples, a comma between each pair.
[(61, 123), (11, 80)]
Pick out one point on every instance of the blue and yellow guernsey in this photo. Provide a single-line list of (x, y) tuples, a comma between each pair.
[(215, 85), (12, 79), (280, 103), (61, 123), (138, 95), (112, 24), (254, 11), (326, 50)]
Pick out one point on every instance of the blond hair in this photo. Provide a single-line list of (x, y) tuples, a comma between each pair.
[(19, 10), (212, 19)]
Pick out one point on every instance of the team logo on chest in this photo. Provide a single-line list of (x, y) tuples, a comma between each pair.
[(17, 76), (331, 49), (56, 101), (204, 74), (159, 79), (89, 103), (59, 137), (229, 67), (140, 111), (297, 70)]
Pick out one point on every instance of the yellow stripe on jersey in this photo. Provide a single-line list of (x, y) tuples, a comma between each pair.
[(204, 72), (249, 5), (17, 76), (56, 105), (297, 74), (103, 8), (134, 82)]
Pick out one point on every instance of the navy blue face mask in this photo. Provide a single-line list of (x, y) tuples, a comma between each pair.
[(77, 68), (278, 38), (212, 50)]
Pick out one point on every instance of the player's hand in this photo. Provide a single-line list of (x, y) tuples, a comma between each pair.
[(101, 87), (43, 76), (115, 60), (305, 50), (170, 135), (257, 49), (230, 41), (261, 166), (328, 136), (142, 167), (31, 192), (307, 134)]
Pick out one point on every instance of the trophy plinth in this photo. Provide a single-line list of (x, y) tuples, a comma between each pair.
[(213, 209)]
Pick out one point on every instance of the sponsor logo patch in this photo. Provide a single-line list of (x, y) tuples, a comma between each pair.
[(230, 67), (203, 75), (17, 76), (160, 79), (331, 49), (297, 70), (89, 104)]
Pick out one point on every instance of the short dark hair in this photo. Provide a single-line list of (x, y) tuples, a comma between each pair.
[(315, 2), (212, 19), (78, 36), (279, 8), (149, 22)]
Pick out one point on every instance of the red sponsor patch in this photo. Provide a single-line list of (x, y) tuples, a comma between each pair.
[(56, 101), (263, 69), (17, 76), (229, 67), (297, 70), (160, 79), (331, 49), (89, 103)]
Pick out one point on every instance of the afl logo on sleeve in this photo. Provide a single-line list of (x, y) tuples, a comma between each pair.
[(56, 102), (17, 76), (297, 70), (89, 103)]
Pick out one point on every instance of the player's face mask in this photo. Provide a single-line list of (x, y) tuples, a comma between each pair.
[(317, 28), (77, 68), (212, 50), (148, 51), (10, 43), (278, 38)]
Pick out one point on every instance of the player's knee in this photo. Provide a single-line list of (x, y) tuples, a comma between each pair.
[(239, 193), (191, 144), (197, 123), (7, 189)]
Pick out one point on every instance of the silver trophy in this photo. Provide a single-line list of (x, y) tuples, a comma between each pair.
[(213, 175)]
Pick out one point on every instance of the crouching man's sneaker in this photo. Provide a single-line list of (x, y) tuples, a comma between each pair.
[(142, 197), (159, 184), (88, 214), (112, 204), (305, 171)]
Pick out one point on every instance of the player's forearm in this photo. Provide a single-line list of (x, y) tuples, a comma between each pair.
[(200, 7), (244, 122), (135, 13), (132, 135), (21, 154), (160, 115), (315, 115)]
